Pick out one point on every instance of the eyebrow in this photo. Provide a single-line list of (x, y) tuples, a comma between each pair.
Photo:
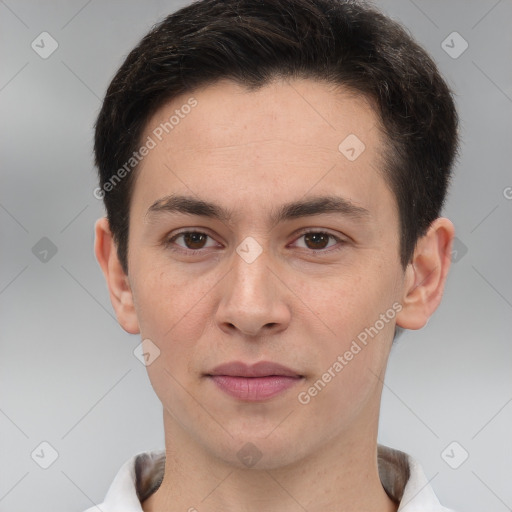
[(288, 211)]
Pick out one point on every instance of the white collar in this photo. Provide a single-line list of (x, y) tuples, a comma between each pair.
[(402, 477)]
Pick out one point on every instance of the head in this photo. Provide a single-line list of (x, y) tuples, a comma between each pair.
[(252, 124)]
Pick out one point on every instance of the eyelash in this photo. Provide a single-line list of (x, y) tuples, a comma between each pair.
[(168, 242)]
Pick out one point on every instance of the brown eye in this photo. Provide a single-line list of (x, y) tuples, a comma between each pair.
[(194, 240), (190, 241), (316, 240), (319, 242)]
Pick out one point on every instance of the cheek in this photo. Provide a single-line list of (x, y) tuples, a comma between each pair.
[(352, 320), (172, 313), (347, 300), (163, 295), (349, 371), (172, 309)]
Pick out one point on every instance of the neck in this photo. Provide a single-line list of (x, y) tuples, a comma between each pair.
[(341, 475)]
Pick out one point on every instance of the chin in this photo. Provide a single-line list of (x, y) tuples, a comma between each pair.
[(269, 452)]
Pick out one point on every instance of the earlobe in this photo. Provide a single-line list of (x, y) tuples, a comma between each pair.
[(426, 275), (118, 284)]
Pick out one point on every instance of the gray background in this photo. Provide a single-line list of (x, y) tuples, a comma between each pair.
[(68, 376)]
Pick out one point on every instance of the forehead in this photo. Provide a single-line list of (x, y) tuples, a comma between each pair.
[(269, 145), (299, 111)]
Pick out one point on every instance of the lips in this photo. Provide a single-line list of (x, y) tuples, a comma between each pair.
[(261, 369), (257, 382)]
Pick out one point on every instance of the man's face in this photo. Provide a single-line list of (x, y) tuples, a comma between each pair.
[(257, 287)]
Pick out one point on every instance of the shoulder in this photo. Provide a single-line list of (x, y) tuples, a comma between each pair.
[(404, 480), (137, 479)]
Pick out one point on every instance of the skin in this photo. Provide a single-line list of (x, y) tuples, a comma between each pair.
[(299, 303)]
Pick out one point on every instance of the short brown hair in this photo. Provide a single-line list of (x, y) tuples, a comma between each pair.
[(348, 43)]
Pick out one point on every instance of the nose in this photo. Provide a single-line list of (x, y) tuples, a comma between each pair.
[(254, 300)]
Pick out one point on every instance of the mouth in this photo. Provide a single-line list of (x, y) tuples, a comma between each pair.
[(257, 382)]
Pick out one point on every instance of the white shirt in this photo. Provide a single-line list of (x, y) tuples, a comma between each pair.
[(401, 476)]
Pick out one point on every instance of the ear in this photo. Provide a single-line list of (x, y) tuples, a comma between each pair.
[(117, 281), (426, 274)]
